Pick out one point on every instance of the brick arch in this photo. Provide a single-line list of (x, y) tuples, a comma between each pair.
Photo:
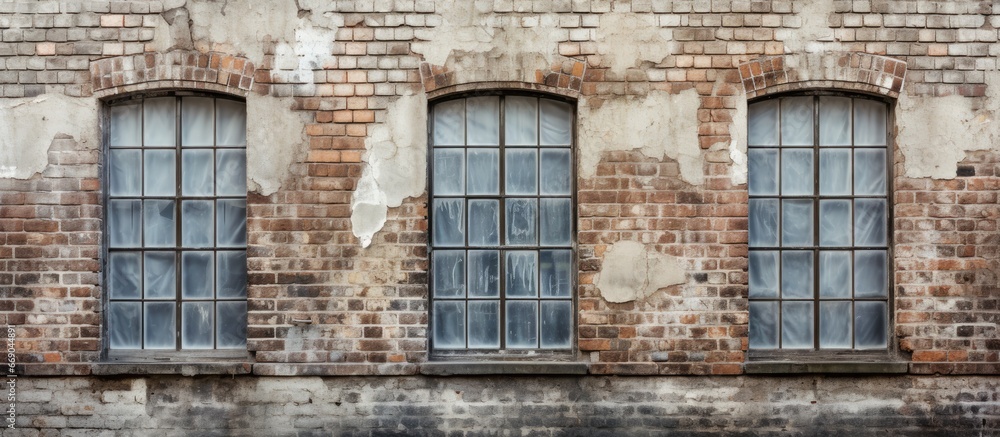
[(564, 77), (212, 71), (859, 72)]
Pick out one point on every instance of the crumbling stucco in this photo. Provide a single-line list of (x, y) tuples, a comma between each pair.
[(396, 158), (738, 143), (632, 271), (625, 40), (275, 140), (660, 125), (28, 126), (814, 30)]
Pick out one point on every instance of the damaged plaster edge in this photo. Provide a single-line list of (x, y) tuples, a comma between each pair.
[(633, 271), (273, 147), (30, 130), (738, 143)]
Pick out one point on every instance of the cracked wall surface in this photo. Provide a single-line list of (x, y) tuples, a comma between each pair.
[(633, 271), (276, 139), (31, 124), (626, 40)]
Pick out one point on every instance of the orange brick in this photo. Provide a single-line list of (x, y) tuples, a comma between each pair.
[(595, 344), (324, 156), (930, 356), (350, 156)]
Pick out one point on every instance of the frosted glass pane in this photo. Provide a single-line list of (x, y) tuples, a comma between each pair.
[(231, 123), (869, 172), (160, 325), (869, 222), (797, 121), (197, 275), (522, 273), (521, 120), (834, 274), (834, 121), (231, 172), (796, 223), (762, 171), (763, 218), (449, 123), (870, 279), (484, 222), (197, 319), (869, 123), (126, 173), (160, 275), (835, 325), (125, 276), (449, 222), (556, 270), (124, 223), (834, 172), (197, 172), (125, 325), (197, 118), (797, 325), (522, 324), (521, 226), (797, 274), (449, 325), (484, 171), (159, 173), (484, 120), (556, 222), (870, 325), (556, 171), (556, 120), (231, 223), (484, 324), (835, 222), (797, 172), (449, 273), (763, 271), (197, 229), (522, 171), (231, 274), (160, 223), (125, 127), (557, 324), (160, 122), (484, 273), (763, 325), (231, 325), (763, 123), (449, 172)]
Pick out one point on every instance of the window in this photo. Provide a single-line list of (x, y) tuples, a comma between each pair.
[(818, 223), (176, 275), (502, 224)]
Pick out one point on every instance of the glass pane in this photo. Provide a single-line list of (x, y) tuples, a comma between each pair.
[(835, 222), (231, 274), (231, 123), (484, 171), (797, 172), (796, 222), (869, 325), (231, 222), (522, 324), (522, 171), (762, 166), (763, 125), (556, 171), (231, 172), (556, 120), (484, 120), (556, 273), (797, 325), (125, 325), (557, 323), (126, 274), (160, 275), (522, 273), (125, 127), (449, 273), (197, 275), (159, 173), (160, 221), (556, 222), (797, 274), (521, 121), (196, 223), (521, 227), (869, 123), (869, 222), (869, 172), (763, 219), (126, 173), (449, 172), (449, 325), (196, 325), (160, 122), (834, 121), (196, 172), (484, 222), (124, 223), (449, 222), (763, 274), (870, 279), (835, 172), (231, 331), (484, 324), (797, 121), (197, 118), (159, 325), (834, 274), (835, 325), (484, 273), (449, 123), (763, 325)]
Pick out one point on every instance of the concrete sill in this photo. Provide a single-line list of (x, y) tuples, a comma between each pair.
[(829, 367), (333, 369), (503, 368), (179, 368)]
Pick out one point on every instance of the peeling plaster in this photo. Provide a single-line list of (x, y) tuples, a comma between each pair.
[(815, 27), (275, 140), (28, 128), (738, 143), (660, 125), (397, 165), (633, 271), (625, 40)]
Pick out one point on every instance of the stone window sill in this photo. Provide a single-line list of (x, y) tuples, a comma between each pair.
[(827, 367), (172, 368), (458, 368)]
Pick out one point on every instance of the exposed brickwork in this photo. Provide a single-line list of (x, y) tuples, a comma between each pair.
[(855, 72), (180, 69)]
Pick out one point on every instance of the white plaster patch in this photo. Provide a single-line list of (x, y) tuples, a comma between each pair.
[(633, 271), (815, 29), (625, 40), (28, 126), (276, 139), (738, 143)]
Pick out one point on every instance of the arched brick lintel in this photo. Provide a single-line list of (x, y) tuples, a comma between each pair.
[(564, 77), (858, 72), (213, 71)]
